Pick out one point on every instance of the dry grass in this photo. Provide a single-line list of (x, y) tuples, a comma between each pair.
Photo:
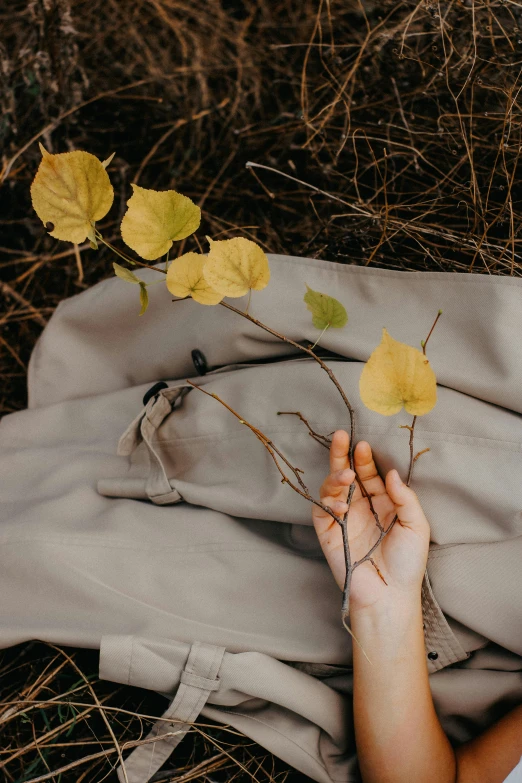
[(58, 723), (400, 123)]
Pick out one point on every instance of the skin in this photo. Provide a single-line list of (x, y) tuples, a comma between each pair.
[(398, 735)]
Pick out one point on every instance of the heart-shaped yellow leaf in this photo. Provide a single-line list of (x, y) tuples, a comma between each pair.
[(397, 375), (326, 311), (155, 219), (72, 191), (185, 278), (234, 266)]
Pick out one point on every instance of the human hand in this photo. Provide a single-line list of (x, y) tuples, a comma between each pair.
[(401, 556)]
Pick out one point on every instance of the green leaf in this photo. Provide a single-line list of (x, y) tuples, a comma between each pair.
[(144, 298), (125, 274), (326, 311)]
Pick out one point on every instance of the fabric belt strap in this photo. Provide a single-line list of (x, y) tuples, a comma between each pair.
[(198, 679), (158, 487)]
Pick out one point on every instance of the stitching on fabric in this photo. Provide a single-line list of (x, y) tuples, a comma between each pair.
[(157, 479), (445, 637), (203, 694), (434, 621), (443, 631), (479, 441), (430, 635), (217, 547), (434, 552), (216, 664), (202, 700), (193, 548), (177, 703), (396, 274), (470, 546)]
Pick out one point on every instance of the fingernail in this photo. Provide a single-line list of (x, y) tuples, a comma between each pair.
[(346, 474)]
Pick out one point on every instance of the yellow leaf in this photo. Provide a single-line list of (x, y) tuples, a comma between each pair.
[(106, 163), (71, 191), (185, 278), (234, 266), (397, 374), (155, 219)]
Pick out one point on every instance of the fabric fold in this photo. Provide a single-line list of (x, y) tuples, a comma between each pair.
[(198, 679), (309, 723)]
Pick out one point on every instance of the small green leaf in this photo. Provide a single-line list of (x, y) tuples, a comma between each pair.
[(125, 274), (326, 311), (144, 298)]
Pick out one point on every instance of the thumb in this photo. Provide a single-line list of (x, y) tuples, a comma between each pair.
[(408, 507)]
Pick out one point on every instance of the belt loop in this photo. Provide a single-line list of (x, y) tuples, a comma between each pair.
[(198, 679), (158, 487)]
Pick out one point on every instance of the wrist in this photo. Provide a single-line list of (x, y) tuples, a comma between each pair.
[(390, 626), (397, 606)]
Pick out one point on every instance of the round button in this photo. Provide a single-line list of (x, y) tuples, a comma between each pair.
[(200, 363), (433, 656)]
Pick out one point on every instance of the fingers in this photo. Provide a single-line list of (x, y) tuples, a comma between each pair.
[(335, 486), (339, 451), (363, 462), (407, 505), (366, 469)]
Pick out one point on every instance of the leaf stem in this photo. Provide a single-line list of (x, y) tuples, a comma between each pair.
[(324, 330), (248, 303), (125, 257)]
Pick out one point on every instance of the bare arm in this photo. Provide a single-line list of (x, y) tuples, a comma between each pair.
[(398, 734), (490, 757), (399, 737)]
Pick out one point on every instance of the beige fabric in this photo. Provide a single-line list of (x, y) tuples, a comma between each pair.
[(197, 680), (187, 537)]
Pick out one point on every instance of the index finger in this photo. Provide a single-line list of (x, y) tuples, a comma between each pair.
[(339, 451)]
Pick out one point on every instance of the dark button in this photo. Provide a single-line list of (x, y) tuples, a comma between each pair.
[(433, 656), (154, 390), (200, 363)]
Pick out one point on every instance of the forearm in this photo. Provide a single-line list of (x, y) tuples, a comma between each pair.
[(398, 734)]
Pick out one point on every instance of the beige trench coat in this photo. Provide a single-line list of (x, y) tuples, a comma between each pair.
[(161, 533)]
